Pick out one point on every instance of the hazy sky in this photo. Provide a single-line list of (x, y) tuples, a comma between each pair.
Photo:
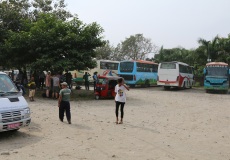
[(170, 23)]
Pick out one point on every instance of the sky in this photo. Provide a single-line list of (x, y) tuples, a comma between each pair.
[(168, 23)]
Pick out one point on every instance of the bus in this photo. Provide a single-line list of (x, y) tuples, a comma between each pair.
[(216, 76), (175, 74), (101, 68), (138, 72)]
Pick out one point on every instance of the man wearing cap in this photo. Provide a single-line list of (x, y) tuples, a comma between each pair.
[(63, 102)]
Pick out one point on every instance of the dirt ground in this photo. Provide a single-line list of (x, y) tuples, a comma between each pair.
[(158, 125)]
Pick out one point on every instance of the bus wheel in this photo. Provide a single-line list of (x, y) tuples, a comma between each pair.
[(166, 87), (183, 86), (97, 97), (147, 83), (132, 85)]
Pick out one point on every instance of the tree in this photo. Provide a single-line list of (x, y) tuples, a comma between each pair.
[(45, 41), (137, 47), (57, 7), (105, 51), (211, 48)]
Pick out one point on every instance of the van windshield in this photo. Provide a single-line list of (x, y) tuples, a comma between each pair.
[(6, 85)]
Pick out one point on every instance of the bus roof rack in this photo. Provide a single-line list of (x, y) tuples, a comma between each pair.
[(217, 63)]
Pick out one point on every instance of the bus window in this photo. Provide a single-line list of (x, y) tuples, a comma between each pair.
[(168, 66), (126, 66)]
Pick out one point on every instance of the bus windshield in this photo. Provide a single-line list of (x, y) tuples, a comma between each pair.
[(217, 71), (108, 65), (168, 66), (126, 66)]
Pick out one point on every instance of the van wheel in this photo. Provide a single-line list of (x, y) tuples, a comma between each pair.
[(97, 97), (15, 130)]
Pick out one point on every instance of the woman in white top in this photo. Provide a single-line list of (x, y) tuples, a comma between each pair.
[(120, 98)]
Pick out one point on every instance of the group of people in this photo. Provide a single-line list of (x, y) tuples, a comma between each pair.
[(51, 82), (61, 90), (86, 80)]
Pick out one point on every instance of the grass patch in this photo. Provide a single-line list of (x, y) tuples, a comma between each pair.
[(75, 95), (197, 84)]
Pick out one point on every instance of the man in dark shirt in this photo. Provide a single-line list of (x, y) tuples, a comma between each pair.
[(86, 78)]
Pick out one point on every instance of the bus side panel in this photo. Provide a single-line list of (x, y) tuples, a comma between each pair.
[(185, 79), (143, 77)]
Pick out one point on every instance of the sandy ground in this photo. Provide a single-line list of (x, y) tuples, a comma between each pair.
[(158, 125)]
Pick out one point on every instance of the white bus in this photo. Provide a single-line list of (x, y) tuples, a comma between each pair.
[(102, 66), (175, 74)]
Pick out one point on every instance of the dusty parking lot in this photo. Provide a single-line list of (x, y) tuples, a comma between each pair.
[(158, 125)]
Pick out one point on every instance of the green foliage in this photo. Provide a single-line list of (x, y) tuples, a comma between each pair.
[(137, 47), (46, 39), (105, 51)]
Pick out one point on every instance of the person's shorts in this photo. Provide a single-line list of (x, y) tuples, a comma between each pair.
[(55, 89), (47, 87), (31, 92)]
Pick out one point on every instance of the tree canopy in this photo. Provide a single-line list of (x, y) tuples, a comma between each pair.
[(42, 35), (136, 47)]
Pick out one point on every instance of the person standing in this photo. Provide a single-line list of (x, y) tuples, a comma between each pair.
[(86, 78), (63, 102), (48, 84), (12, 75), (120, 98), (68, 78), (32, 87), (55, 86), (41, 79), (95, 80)]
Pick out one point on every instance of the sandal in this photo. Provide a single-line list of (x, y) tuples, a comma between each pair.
[(120, 122), (116, 122)]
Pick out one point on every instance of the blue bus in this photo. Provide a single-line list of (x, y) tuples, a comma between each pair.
[(138, 72), (216, 76)]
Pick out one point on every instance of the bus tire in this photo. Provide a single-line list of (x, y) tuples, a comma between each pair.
[(97, 97), (132, 85), (147, 84), (183, 86), (166, 87)]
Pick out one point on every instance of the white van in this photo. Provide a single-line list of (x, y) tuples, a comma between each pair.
[(14, 110)]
